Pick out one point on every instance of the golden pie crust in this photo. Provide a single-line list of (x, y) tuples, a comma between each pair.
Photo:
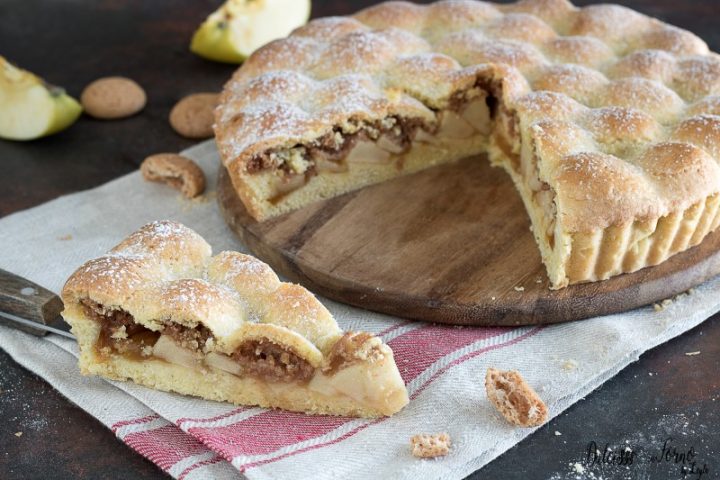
[(160, 310), (607, 120)]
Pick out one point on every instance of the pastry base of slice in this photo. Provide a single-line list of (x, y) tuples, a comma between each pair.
[(356, 390)]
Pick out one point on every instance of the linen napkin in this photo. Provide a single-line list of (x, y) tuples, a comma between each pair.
[(443, 366)]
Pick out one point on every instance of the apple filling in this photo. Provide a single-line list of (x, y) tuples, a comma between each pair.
[(119, 333), (351, 348), (264, 359), (381, 143), (358, 368), (192, 348)]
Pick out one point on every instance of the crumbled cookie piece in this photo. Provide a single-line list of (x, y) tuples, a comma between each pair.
[(112, 98), (175, 170), (430, 446), (192, 117), (514, 398)]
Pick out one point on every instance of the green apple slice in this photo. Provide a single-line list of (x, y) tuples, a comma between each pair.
[(239, 27), (30, 107)]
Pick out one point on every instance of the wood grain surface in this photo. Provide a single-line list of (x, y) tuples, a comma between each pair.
[(71, 42), (450, 244)]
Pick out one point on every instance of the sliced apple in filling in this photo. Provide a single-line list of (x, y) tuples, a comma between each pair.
[(359, 367), (387, 143)]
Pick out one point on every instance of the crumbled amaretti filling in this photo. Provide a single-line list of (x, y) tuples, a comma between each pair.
[(393, 133), (190, 338), (259, 358), (351, 348), (264, 359), (119, 333)]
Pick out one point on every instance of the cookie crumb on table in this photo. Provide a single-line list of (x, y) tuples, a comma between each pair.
[(430, 446), (514, 398)]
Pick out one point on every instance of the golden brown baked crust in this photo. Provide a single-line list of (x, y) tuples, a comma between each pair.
[(607, 119), (161, 311)]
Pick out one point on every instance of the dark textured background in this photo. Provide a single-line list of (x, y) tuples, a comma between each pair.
[(72, 42)]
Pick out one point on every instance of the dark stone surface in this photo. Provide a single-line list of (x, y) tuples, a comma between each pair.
[(72, 42), (666, 394)]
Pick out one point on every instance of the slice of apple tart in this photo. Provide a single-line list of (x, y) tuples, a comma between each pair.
[(160, 310)]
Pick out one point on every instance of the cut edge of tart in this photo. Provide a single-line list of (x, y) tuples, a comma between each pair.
[(607, 121), (161, 311)]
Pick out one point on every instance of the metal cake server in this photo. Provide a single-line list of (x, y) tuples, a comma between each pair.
[(27, 306)]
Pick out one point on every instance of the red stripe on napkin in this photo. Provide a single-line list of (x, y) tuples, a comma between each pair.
[(275, 430), (116, 426), (351, 433), (165, 446), (204, 463), (416, 350), (266, 432)]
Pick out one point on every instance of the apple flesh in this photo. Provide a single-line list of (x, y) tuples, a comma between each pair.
[(30, 107), (239, 27)]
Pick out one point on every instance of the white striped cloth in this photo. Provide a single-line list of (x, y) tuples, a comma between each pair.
[(442, 366)]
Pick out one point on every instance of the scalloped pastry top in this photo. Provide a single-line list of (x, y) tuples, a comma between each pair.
[(606, 119)]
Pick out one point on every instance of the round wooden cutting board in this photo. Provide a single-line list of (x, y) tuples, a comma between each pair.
[(450, 244)]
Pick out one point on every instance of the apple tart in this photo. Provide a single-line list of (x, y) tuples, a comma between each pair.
[(160, 310), (606, 120)]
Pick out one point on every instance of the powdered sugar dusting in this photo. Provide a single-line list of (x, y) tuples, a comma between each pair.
[(521, 27), (265, 121), (134, 277), (620, 81), (614, 123), (703, 131), (116, 271), (578, 49), (699, 77)]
